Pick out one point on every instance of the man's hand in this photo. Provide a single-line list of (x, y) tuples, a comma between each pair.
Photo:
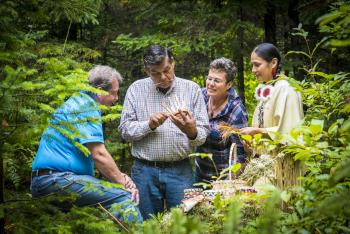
[(157, 119), (131, 187), (185, 121), (106, 165)]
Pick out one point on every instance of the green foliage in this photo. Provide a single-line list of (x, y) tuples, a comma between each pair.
[(39, 71), (233, 219), (179, 45), (174, 222), (323, 146), (336, 23), (250, 83), (200, 80), (75, 11), (37, 79), (50, 219), (325, 95)]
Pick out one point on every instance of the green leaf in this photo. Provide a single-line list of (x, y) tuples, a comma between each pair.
[(302, 155), (298, 52), (217, 201), (47, 108), (257, 137), (285, 196), (325, 19), (201, 155), (322, 74), (316, 126), (236, 167), (334, 127), (247, 138), (342, 171), (340, 43)]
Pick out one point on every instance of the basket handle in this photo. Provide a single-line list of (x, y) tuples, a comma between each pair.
[(233, 153)]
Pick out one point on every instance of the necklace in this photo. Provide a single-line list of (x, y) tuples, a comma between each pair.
[(263, 92), (262, 95), (212, 110)]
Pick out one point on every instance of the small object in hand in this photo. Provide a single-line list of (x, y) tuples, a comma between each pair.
[(173, 105), (178, 113), (227, 130)]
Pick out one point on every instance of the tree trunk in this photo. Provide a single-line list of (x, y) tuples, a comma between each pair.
[(240, 64), (295, 42), (2, 200), (270, 22), (74, 30)]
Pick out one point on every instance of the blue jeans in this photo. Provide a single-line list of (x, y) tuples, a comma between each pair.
[(89, 191), (157, 184)]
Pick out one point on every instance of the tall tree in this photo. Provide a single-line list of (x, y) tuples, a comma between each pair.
[(270, 22), (239, 57)]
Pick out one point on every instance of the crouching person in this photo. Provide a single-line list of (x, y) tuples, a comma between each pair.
[(61, 168)]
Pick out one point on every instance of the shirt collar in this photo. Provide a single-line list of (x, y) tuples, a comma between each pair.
[(170, 89), (232, 98)]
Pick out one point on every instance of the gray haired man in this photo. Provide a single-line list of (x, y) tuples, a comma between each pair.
[(60, 167), (164, 118)]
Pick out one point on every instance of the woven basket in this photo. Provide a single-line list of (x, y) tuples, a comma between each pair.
[(229, 187), (287, 171)]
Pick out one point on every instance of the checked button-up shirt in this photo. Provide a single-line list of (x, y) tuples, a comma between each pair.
[(167, 142)]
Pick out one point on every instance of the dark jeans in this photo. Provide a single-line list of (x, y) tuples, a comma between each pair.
[(157, 184), (89, 191)]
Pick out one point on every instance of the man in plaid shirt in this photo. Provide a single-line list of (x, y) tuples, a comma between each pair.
[(165, 119)]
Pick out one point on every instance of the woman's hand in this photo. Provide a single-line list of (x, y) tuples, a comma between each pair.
[(252, 131), (248, 149)]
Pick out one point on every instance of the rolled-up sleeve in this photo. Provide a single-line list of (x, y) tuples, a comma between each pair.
[(238, 119), (201, 116), (130, 127)]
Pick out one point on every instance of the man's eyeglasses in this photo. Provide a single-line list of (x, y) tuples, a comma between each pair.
[(215, 80)]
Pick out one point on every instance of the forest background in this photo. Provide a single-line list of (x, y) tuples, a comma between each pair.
[(47, 47)]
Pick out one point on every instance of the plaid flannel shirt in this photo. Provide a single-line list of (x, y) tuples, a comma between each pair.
[(167, 142), (235, 114)]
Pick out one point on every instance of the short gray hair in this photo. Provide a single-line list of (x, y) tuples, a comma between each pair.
[(102, 76), (225, 65)]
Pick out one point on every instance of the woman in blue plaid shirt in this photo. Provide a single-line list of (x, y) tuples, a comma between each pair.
[(223, 105)]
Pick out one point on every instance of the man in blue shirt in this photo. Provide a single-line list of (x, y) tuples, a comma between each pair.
[(60, 165)]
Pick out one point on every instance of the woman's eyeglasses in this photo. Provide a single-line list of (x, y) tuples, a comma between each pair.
[(215, 80)]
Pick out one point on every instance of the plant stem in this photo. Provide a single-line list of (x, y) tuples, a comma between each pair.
[(65, 41), (2, 220), (114, 218)]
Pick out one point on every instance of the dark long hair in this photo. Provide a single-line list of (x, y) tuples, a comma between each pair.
[(268, 51)]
